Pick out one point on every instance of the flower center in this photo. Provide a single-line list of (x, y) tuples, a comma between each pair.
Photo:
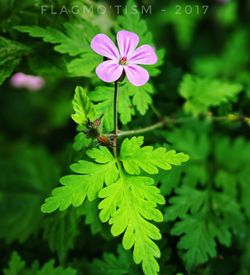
[(123, 60)]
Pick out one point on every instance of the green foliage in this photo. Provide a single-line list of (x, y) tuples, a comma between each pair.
[(18, 267), (35, 172), (82, 106), (136, 158), (68, 43), (184, 22), (10, 56), (200, 94), (89, 181), (114, 265), (131, 98), (81, 141), (226, 64), (171, 218), (128, 202), (90, 210), (131, 20), (61, 230), (74, 42), (125, 208), (203, 216)]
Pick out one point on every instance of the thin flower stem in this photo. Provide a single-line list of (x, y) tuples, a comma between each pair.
[(165, 121), (142, 130), (116, 129)]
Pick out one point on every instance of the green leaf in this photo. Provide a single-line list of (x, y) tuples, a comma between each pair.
[(226, 65), (198, 241), (104, 99), (61, 230), (200, 94), (83, 66), (17, 266), (84, 110), (130, 98), (10, 56), (49, 268), (81, 141), (87, 183), (187, 199), (90, 210), (73, 42), (115, 265), (129, 204), (197, 145), (142, 97), (22, 192), (131, 21), (135, 158)]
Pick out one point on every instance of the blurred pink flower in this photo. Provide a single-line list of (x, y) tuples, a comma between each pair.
[(30, 82), (125, 58)]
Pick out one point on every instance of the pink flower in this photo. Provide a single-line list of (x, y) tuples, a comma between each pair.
[(124, 59), (32, 83)]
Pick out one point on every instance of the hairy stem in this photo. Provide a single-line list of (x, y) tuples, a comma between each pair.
[(142, 130), (116, 129)]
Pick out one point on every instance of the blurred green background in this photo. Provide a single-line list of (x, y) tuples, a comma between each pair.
[(205, 38)]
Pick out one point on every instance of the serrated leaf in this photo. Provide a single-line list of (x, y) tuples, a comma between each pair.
[(87, 183), (72, 42), (83, 66), (187, 199), (104, 99), (135, 158), (202, 93), (81, 141), (142, 97), (198, 242), (112, 264), (131, 21), (15, 266), (129, 204), (18, 266), (82, 106)]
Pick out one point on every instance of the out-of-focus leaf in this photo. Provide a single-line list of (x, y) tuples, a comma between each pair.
[(10, 56), (22, 192), (200, 94)]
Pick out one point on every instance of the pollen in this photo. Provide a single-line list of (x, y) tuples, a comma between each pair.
[(123, 61)]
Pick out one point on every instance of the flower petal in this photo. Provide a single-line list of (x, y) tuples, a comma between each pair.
[(127, 42), (144, 55), (104, 46), (137, 75), (109, 71)]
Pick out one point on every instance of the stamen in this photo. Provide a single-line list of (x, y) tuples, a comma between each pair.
[(123, 60)]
